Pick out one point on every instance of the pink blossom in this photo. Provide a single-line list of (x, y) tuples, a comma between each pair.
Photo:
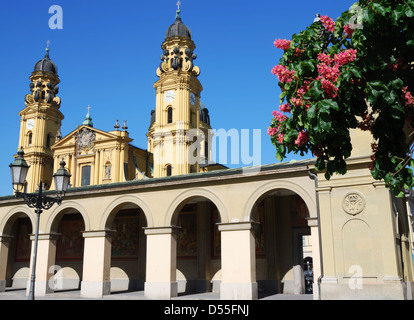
[(325, 58), (366, 123), (297, 102), (348, 30), (303, 138), (280, 138), (285, 107), (317, 152), (329, 88), (271, 131), (371, 166), (409, 99), (298, 52), (279, 116), (345, 57), (282, 44), (329, 72), (328, 23), (283, 73)]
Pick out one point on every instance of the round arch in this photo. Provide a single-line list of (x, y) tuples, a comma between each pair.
[(64, 207), (5, 223), (274, 185), (123, 200), (172, 211)]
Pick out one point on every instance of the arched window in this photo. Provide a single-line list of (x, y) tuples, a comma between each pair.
[(48, 141), (86, 175), (170, 115), (168, 169), (30, 140), (206, 151)]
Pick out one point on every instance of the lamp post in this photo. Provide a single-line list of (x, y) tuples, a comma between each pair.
[(39, 202)]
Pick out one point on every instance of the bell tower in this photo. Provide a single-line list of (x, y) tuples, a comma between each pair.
[(40, 123), (177, 109)]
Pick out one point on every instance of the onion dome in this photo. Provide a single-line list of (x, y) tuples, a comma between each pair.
[(88, 119), (178, 28), (46, 65)]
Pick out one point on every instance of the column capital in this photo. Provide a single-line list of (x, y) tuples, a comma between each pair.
[(379, 184), (46, 236), (236, 226), (324, 189), (162, 230), (98, 233), (312, 221)]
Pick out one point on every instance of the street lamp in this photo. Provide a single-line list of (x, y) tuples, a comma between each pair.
[(19, 169)]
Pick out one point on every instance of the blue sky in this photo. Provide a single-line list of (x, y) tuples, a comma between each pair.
[(108, 51)]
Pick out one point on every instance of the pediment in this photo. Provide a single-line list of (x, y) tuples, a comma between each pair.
[(87, 137)]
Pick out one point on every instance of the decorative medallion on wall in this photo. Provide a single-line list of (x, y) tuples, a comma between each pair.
[(353, 203), (86, 139)]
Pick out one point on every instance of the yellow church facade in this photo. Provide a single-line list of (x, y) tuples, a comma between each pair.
[(168, 221)]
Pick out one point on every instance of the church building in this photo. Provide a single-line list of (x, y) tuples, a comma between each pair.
[(167, 220)]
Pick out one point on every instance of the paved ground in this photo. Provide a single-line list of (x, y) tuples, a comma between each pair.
[(138, 295)]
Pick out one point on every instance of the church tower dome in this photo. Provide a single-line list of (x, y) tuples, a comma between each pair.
[(46, 65), (178, 29)]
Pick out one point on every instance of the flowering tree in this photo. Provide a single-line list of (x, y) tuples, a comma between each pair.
[(355, 72)]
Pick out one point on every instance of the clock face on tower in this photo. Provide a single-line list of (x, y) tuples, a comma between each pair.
[(30, 124), (169, 96), (192, 98)]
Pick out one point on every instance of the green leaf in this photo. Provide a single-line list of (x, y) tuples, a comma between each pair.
[(397, 13), (379, 8), (356, 72), (409, 12), (396, 84), (320, 164), (327, 105), (282, 97), (378, 85), (330, 104), (307, 66), (312, 112), (399, 194), (279, 157), (346, 75), (315, 91), (341, 166), (325, 123)]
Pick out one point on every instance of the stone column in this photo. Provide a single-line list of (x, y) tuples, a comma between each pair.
[(96, 264), (238, 261), (46, 256), (161, 282), (4, 253)]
